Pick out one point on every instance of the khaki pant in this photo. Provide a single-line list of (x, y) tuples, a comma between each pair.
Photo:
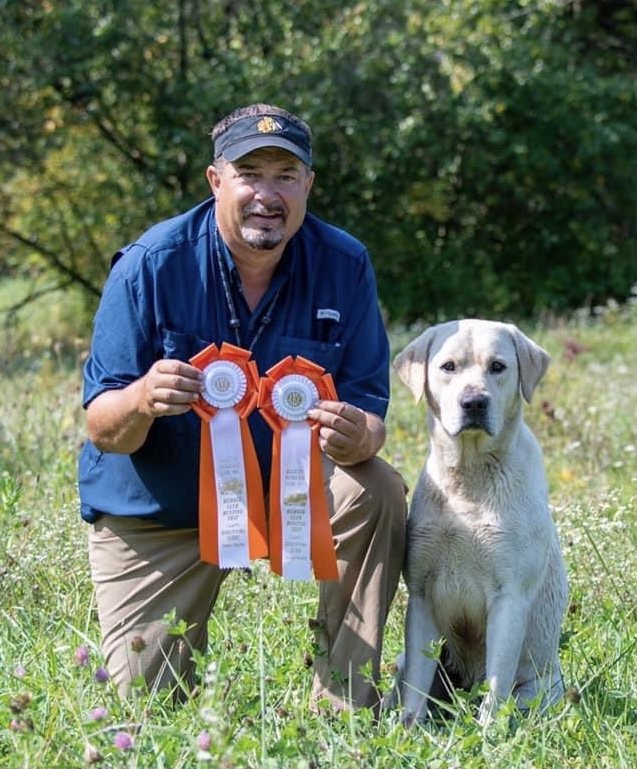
[(143, 571)]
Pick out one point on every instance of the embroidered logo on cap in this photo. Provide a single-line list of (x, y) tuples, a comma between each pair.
[(268, 125)]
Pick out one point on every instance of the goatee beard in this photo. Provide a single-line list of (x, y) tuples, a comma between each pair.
[(262, 240)]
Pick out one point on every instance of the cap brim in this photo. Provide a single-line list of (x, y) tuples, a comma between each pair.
[(241, 148)]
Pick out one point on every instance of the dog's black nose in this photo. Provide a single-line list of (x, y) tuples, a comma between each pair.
[(473, 402)]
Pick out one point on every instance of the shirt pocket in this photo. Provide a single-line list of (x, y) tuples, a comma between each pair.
[(328, 355), (182, 430), (181, 346)]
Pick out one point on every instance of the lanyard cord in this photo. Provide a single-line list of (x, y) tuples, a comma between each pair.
[(235, 323)]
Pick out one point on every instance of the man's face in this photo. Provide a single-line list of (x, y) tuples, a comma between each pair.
[(261, 198)]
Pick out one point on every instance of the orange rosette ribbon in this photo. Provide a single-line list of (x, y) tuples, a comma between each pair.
[(232, 523), (300, 529)]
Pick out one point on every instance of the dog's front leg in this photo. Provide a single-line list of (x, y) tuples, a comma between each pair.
[(506, 628), (420, 667)]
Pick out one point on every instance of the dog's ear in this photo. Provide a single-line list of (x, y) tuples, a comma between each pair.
[(411, 364), (532, 361)]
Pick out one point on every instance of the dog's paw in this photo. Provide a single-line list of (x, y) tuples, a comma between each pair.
[(488, 710), (392, 702), (409, 718)]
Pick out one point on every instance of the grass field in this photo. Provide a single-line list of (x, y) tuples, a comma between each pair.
[(58, 709)]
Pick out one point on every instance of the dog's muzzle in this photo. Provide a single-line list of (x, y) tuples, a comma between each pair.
[(474, 407)]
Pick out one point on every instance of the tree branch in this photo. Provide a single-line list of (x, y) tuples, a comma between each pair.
[(49, 256)]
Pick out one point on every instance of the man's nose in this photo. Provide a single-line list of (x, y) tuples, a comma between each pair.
[(266, 189)]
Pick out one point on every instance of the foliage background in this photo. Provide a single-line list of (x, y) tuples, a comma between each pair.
[(484, 150)]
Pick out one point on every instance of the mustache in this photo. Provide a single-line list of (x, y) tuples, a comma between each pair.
[(272, 210)]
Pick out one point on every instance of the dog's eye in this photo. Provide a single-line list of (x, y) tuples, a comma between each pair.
[(448, 366), (496, 367)]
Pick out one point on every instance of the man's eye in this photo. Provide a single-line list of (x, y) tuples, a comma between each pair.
[(496, 367), (448, 366)]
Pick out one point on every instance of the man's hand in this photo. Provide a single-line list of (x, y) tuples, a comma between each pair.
[(348, 435), (170, 387)]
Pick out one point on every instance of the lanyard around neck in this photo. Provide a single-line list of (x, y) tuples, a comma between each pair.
[(235, 323)]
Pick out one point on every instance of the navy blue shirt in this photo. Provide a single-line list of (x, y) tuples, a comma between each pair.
[(164, 298)]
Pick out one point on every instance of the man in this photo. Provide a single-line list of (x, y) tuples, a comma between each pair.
[(250, 267)]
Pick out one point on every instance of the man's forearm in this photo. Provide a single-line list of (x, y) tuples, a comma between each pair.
[(115, 421)]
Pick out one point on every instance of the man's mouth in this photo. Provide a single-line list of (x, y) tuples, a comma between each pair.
[(269, 216)]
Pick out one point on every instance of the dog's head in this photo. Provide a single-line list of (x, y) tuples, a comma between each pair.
[(473, 373)]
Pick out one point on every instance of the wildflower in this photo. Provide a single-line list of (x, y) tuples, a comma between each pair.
[(21, 725), (91, 754), (123, 741), (99, 713), (138, 644), (20, 702), (19, 671), (573, 348), (549, 409), (81, 656), (102, 675), (203, 741), (211, 674)]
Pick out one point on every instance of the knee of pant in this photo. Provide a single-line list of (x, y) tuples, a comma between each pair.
[(375, 486), (393, 509), (388, 491)]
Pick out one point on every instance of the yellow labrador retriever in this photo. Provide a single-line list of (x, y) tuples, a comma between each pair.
[(484, 568)]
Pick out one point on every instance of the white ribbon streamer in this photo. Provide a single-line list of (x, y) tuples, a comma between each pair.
[(232, 495), (295, 501)]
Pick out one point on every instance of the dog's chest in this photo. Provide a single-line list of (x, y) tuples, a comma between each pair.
[(455, 563)]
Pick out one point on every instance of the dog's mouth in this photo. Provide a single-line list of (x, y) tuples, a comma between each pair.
[(473, 412), (474, 425)]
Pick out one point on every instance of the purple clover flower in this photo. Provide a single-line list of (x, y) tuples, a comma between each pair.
[(102, 675), (99, 713), (203, 740), (81, 656), (123, 741)]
